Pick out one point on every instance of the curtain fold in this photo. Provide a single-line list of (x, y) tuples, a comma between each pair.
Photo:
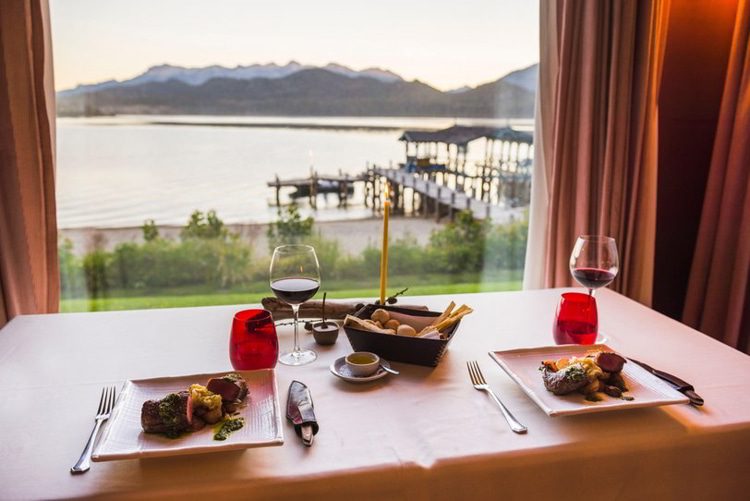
[(29, 278), (718, 295), (597, 127)]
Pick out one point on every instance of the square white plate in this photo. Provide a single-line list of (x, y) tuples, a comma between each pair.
[(124, 438), (523, 367)]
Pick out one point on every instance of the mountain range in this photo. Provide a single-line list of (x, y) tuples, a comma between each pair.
[(297, 89)]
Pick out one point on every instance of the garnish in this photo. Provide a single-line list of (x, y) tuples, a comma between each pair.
[(228, 426), (233, 377), (169, 415)]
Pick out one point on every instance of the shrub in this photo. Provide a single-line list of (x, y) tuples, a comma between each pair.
[(203, 226), (72, 283), (207, 254), (329, 254), (290, 228), (459, 247), (406, 256), (150, 231), (506, 246), (95, 273)]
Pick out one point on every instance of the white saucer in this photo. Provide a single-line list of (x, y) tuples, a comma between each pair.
[(340, 369)]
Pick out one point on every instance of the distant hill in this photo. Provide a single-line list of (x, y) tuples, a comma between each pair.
[(296, 89)]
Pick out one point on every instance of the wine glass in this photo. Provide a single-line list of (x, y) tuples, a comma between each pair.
[(295, 278), (594, 261), (252, 340)]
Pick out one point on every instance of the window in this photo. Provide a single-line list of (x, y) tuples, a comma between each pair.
[(194, 137)]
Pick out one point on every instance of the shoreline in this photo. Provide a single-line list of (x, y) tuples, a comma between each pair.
[(353, 235)]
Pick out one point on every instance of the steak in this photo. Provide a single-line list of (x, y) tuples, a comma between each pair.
[(609, 362), (565, 380), (172, 415), (231, 387)]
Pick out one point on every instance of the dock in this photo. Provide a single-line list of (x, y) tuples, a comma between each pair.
[(437, 176), (442, 200), (341, 185), (443, 182)]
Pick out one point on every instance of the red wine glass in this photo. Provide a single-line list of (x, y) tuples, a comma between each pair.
[(253, 343), (295, 278), (594, 261)]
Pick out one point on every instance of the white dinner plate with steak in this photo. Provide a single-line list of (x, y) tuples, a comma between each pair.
[(124, 437), (643, 388)]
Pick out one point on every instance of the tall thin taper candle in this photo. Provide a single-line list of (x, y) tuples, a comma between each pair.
[(384, 252)]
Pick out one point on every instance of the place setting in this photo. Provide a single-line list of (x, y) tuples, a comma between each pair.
[(581, 374), (201, 413)]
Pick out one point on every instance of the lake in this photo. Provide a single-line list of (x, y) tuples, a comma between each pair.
[(120, 171)]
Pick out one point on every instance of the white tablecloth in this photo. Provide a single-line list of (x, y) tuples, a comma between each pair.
[(426, 434)]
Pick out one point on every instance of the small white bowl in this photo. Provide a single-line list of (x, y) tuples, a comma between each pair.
[(362, 363)]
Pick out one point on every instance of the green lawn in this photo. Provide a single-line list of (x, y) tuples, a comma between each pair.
[(174, 298)]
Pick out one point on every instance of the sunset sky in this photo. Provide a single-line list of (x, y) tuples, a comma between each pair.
[(447, 44)]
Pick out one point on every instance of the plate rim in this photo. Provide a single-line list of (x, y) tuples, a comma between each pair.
[(127, 386), (678, 398)]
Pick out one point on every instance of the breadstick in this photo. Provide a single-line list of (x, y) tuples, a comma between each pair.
[(445, 314), (460, 309), (452, 320)]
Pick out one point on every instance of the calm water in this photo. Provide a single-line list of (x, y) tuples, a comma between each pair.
[(119, 171)]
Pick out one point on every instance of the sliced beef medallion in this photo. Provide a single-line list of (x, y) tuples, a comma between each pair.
[(231, 387), (172, 415), (609, 362)]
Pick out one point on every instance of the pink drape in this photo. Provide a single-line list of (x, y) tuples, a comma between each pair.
[(598, 124), (29, 281), (718, 297)]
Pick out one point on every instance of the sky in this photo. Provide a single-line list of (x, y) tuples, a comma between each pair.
[(447, 44)]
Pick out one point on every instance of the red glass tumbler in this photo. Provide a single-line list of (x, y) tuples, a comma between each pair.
[(576, 320), (253, 343)]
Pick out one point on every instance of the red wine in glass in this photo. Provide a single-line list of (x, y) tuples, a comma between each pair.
[(594, 261), (295, 278), (593, 278), (295, 290)]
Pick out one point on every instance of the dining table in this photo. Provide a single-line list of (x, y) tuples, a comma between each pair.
[(423, 434)]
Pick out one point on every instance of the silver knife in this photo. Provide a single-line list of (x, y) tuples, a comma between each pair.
[(300, 411), (677, 383)]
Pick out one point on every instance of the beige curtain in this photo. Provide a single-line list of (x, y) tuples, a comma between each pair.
[(718, 296), (596, 133), (29, 281)]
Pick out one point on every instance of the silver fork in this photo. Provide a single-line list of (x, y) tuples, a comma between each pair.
[(477, 379), (106, 402)]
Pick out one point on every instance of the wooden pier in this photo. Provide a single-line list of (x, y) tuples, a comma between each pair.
[(433, 198), (315, 184), (439, 185), (442, 184)]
